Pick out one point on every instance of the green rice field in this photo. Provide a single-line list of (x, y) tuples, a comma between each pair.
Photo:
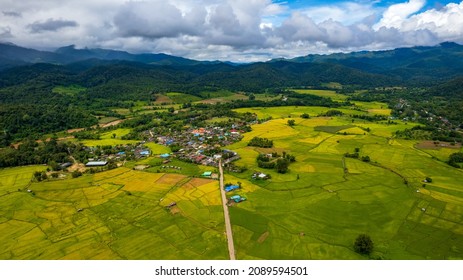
[(118, 214), (314, 211)]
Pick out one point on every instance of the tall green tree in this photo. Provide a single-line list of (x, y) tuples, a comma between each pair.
[(363, 244), (282, 165)]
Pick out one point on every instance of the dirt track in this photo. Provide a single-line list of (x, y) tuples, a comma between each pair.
[(228, 228)]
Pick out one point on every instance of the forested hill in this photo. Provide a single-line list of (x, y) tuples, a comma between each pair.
[(451, 90), (417, 64), (191, 79), (32, 104), (12, 55), (413, 66)]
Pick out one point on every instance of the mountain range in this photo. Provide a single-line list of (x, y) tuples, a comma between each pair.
[(12, 55), (416, 65)]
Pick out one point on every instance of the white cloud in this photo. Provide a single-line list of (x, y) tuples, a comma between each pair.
[(227, 29), (396, 14), (446, 23), (346, 13)]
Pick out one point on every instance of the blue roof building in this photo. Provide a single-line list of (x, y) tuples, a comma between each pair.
[(237, 198), (231, 188)]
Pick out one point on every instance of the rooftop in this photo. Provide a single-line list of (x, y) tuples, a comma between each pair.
[(96, 163)]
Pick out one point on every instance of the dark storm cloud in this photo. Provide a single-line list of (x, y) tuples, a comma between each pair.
[(11, 14), (51, 25)]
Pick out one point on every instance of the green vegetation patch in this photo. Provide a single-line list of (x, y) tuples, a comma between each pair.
[(181, 98), (333, 129), (69, 90), (323, 93), (12, 179), (115, 134)]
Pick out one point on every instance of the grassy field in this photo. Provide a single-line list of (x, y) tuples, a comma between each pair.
[(374, 108), (118, 214), (317, 209), (108, 139), (12, 179), (181, 98), (294, 111), (323, 93)]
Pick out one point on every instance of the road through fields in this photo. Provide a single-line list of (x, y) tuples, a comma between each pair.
[(228, 228)]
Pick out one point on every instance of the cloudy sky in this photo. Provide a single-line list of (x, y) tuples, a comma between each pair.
[(234, 30)]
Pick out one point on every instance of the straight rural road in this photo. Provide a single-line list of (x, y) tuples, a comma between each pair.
[(228, 228)]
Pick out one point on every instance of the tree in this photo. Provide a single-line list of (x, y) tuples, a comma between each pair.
[(366, 159), (282, 165), (54, 165), (363, 244), (261, 142), (305, 116), (291, 122), (40, 175), (252, 96)]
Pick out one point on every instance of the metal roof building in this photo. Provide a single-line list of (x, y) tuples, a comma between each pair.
[(96, 163)]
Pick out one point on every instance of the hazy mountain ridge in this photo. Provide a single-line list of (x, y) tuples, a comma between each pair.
[(416, 66), (437, 62), (12, 55)]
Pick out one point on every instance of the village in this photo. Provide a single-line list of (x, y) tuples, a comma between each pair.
[(195, 145), (202, 145)]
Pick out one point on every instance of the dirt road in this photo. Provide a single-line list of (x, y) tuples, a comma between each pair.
[(228, 228)]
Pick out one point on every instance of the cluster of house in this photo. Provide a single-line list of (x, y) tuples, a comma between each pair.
[(103, 156), (202, 145), (426, 115)]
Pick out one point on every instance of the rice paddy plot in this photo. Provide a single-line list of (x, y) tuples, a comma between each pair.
[(333, 129), (374, 108), (317, 209), (323, 93), (12, 179), (115, 134), (114, 214)]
